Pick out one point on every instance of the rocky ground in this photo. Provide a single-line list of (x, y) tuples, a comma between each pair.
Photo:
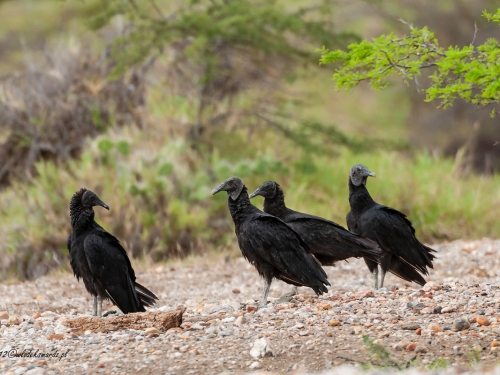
[(449, 325)]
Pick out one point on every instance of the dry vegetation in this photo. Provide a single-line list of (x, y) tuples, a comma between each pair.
[(48, 112)]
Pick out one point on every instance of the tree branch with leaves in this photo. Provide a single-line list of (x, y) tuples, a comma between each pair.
[(469, 72)]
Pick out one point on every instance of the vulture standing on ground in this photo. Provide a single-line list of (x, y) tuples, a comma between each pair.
[(270, 245), (98, 258), (328, 241), (403, 255)]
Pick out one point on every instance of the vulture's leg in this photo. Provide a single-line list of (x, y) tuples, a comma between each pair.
[(99, 307), (265, 292), (94, 311), (385, 264), (382, 276), (373, 267), (375, 278)]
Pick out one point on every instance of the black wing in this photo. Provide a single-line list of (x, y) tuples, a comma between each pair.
[(72, 258), (109, 263), (405, 271), (329, 241), (394, 233), (269, 238), (147, 297)]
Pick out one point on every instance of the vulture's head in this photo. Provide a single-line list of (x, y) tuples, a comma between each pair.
[(233, 186), (359, 174), (90, 199), (267, 190)]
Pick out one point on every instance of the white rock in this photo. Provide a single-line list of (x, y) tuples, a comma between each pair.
[(255, 365), (261, 348)]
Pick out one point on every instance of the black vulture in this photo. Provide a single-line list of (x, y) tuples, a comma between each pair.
[(328, 241), (270, 245), (403, 255), (98, 258)]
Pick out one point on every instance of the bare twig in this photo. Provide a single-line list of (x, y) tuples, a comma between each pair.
[(406, 23), (158, 10), (475, 33)]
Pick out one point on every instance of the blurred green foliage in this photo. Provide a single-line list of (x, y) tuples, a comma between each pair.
[(230, 60), (470, 72), (252, 27)]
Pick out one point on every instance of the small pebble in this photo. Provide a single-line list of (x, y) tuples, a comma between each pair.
[(460, 324), (435, 327), (411, 347), (410, 326), (482, 320)]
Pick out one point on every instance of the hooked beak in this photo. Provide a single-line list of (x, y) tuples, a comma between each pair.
[(371, 174), (102, 204), (255, 193), (218, 189)]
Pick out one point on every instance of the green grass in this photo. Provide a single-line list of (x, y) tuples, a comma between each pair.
[(439, 363)]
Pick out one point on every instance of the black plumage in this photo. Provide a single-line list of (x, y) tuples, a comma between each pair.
[(270, 245), (98, 258), (404, 255), (328, 241)]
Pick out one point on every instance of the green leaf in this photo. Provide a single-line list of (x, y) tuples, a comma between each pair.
[(123, 147), (165, 169), (105, 145)]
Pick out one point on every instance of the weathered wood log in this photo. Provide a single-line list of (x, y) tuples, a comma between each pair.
[(161, 320)]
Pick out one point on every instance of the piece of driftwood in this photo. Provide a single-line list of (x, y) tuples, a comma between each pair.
[(161, 320)]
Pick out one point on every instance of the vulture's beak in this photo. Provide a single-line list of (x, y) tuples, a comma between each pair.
[(102, 204), (218, 189), (255, 193)]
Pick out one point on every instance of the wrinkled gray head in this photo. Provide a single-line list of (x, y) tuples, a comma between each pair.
[(90, 199), (267, 190), (359, 174), (232, 185)]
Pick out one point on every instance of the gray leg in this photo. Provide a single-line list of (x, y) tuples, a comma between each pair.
[(99, 307), (375, 277), (267, 287), (382, 277), (94, 311)]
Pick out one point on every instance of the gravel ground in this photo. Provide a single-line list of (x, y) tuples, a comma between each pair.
[(452, 322)]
